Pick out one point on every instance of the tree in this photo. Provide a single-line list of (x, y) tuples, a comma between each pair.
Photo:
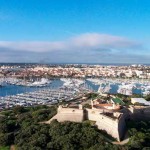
[(19, 109)]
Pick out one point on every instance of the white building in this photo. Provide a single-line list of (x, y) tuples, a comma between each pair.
[(140, 101)]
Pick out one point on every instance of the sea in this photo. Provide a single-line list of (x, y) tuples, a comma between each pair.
[(8, 89), (16, 89)]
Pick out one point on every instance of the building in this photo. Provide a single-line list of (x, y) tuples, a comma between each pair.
[(140, 101), (110, 117), (111, 122)]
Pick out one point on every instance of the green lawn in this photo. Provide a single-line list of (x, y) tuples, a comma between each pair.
[(4, 148)]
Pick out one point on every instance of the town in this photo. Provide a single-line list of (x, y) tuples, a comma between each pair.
[(75, 70)]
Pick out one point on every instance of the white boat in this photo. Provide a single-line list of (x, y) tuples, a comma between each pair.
[(41, 83)]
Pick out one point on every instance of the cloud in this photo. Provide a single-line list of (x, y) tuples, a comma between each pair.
[(86, 48), (35, 46), (87, 41), (103, 40)]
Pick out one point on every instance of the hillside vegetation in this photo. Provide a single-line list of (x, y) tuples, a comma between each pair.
[(22, 128)]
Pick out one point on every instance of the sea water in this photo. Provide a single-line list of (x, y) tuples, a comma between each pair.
[(55, 83)]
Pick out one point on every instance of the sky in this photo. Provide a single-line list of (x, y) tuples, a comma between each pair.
[(75, 31)]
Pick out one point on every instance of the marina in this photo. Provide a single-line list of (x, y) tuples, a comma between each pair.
[(105, 85), (43, 97), (122, 86), (55, 92), (17, 92)]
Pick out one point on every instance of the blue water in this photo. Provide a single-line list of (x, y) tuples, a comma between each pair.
[(15, 89), (56, 83), (91, 85), (114, 88)]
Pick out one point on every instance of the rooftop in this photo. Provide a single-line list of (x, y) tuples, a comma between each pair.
[(139, 100), (118, 101)]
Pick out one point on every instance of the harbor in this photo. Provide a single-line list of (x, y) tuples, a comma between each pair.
[(47, 92), (122, 86), (41, 97), (56, 91)]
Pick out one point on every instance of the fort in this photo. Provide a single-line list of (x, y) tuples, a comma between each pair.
[(110, 117)]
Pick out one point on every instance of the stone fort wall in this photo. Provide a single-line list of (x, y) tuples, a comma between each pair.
[(114, 127), (68, 114)]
